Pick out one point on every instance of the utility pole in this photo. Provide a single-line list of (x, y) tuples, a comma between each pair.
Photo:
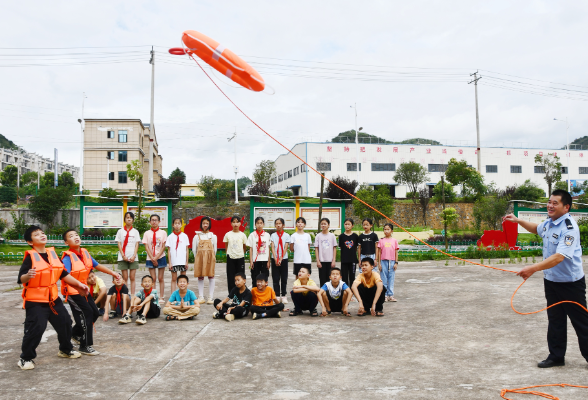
[(445, 221), (17, 162), (151, 125), (475, 82), (356, 144), (567, 150), (235, 168), (39, 176), (55, 170)]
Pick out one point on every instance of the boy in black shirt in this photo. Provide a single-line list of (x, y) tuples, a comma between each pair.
[(241, 300), (117, 299), (39, 273)]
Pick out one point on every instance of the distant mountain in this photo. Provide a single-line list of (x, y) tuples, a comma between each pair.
[(583, 141), (349, 137), (7, 144)]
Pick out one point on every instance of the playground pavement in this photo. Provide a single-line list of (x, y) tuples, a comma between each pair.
[(451, 335)]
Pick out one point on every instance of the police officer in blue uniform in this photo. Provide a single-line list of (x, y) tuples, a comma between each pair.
[(563, 276)]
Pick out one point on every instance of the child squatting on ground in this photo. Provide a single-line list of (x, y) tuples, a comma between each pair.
[(369, 290), (145, 303), (335, 295), (237, 304), (304, 294), (183, 303), (264, 301), (39, 273), (97, 291), (118, 300), (78, 262)]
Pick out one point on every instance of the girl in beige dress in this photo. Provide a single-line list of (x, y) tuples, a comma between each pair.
[(204, 248)]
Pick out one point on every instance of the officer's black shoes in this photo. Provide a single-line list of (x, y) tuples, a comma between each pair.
[(548, 363)]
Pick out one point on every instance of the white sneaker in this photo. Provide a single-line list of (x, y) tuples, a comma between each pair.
[(285, 299), (210, 301), (125, 319), (230, 317), (201, 300), (141, 320), (24, 365), (71, 354)]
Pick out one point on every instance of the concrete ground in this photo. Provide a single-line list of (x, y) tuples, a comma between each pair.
[(451, 335)]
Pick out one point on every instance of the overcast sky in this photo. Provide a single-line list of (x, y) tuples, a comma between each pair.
[(405, 64)]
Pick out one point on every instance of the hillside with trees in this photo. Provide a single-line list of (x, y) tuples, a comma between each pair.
[(349, 137)]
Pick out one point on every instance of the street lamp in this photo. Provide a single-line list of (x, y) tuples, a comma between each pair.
[(356, 142), (567, 148), (235, 168)]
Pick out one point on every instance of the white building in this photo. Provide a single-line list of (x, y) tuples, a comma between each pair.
[(27, 162), (378, 163)]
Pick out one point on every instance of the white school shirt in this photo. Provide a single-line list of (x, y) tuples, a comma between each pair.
[(301, 252), (134, 237), (177, 257), (264, 250)]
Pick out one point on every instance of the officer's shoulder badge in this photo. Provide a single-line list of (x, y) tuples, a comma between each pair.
[(569, 224), (568, 240)]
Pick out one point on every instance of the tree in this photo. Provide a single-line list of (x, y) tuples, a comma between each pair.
[(135, 173), (489, 211), (471, 181), (449, 217), (264, 172), (242, 183), (110, 193), (29, 178), (7, 194), (551, 169), (8, 176), (178, 173), (380, 199), (169, 188), (562, 185), (529, 191), (45, 205), (450, 194), (424, 200), (208, 186), (411, 174), (260, 189), (333, 192), (47, 180), (66, 179)]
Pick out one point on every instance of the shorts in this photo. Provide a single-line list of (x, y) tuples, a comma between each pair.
[(161, 263), (123, 265), (179, 268)]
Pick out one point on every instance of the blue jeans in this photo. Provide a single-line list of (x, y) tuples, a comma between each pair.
[(388, 276)]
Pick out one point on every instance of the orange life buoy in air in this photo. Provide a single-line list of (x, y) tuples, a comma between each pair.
[(222, 59)]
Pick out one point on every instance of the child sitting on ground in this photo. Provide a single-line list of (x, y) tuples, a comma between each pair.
[(145, 303), (335, 295), (117, 300), (183, 303), (97, 291), (264, 301), (240, 298), (369, 290), (304, 294)]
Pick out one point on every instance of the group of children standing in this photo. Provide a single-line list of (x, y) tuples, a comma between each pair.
[(88, 298)]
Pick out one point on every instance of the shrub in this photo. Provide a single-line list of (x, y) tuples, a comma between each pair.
[(7, 194)]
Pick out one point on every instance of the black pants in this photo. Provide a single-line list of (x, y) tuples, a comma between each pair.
[(302, 302), (85, 313), (36, 323), (367, 297), (324, 272), (298, 266), (153, 312), (557, 335), (234, 266), (280, 275), (259, 267), (270, 311), (348, 273), (238, 311), (336, 305)]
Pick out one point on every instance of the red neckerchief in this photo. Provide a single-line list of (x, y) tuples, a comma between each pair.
[(126, 239), (259, 243), (177, 242), (118, 296), (147, 293), (280, 244), (92, 290), (154, 239)]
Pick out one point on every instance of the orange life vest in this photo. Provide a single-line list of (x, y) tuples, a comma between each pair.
[(79, 270), (43, 287)]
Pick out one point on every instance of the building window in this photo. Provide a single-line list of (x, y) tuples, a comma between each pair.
[(491, 169), (383, 167), (280, 178), (49, 166), (122, 176), (539, 169), (437, 167), (353, 166), (7, 158), (290, 174), (303, 168), (110, 155), (583, 170), (516, 169), (323, 166), (111, 176), (122, 136), (122, 156), (110, 135), (295, 171), (564, 170)]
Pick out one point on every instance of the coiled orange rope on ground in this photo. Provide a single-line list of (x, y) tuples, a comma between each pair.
[(521, 390)]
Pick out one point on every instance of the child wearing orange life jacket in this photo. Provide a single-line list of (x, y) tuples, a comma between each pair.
[(78, 262), (39, 273), (259, 244), (118, 299)]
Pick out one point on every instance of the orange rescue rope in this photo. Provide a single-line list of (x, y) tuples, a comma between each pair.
[(393, 222)]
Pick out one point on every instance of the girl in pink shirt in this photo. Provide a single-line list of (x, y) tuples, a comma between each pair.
[(387, 256)]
